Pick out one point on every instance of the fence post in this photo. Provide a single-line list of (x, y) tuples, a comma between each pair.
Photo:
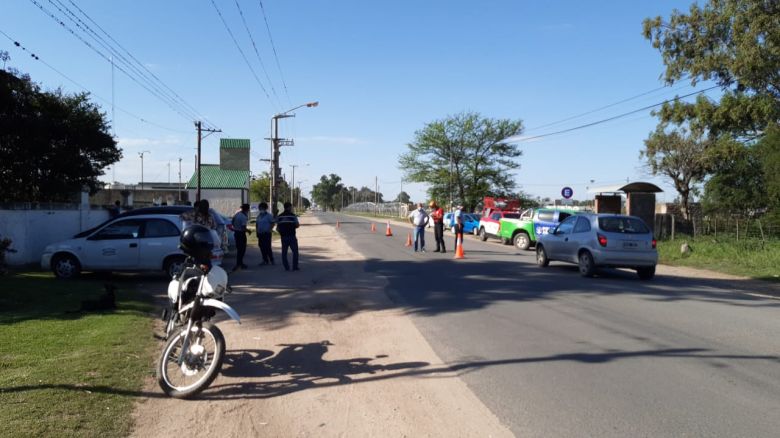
[(693, 222), (716, 228), (672, 227), (737, 221)]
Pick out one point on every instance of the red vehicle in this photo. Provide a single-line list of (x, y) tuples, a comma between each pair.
[(493, 210)]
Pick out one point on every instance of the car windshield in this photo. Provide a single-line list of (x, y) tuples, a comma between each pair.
[(512, 215), (626, 225)]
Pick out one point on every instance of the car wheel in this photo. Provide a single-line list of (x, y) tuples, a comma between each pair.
[(646, 273), (173, 266), (522, 241), (65, 266), (482, 234), (541, 257), (587, 267)]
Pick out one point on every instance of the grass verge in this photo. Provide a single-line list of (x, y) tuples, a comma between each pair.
[(66, 373), (747, 258)]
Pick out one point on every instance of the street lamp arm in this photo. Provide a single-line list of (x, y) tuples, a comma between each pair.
[(307, 105)]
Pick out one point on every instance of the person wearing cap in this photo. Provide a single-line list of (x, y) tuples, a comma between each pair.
[(419, 218), (239, 222), (286, 224), (265, 224), (458, 220), (437, 214)]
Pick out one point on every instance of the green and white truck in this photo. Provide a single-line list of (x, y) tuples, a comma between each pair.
[(533, 222)]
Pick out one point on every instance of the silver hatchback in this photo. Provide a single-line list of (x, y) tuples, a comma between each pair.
[(600, 240)]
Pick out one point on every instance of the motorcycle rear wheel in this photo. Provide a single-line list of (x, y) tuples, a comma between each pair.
[(200, 365)]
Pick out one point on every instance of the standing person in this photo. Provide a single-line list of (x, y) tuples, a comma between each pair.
[(116, 210), (286, 224), (265, 223), (437, 214), (458, 219), (239, 222), (419, 218), (200, 215)]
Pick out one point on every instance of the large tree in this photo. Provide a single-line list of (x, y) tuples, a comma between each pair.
[(328, 192), (52, 145), (681, 155), (463, 156), (737, 184), (736, 44)]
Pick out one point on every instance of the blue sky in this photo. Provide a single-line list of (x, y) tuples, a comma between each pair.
[(380, 70)]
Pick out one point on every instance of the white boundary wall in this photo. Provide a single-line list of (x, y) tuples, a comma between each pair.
[(32, 230)]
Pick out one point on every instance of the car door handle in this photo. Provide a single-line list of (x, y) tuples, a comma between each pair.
[(133, 245)]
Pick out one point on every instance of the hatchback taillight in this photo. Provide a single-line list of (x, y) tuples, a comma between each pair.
[(602, 239), (654, 243)]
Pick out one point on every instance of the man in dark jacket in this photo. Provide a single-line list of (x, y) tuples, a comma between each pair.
[(286, 224)]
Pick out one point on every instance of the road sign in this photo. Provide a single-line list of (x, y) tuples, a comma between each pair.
[(567, 192)]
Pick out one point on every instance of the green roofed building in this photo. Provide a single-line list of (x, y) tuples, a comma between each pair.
[(225, 185)]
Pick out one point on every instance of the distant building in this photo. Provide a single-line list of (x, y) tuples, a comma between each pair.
[(224, 185)]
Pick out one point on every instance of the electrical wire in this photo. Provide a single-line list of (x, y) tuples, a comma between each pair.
[(54, 69), (104, 56), (172, 92), (598, 122), (243, 55), (276, 55), (257, 52)]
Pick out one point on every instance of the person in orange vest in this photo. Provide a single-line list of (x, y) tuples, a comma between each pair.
[(437, 214)]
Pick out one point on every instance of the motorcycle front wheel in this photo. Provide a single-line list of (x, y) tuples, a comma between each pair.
[(199, 366)]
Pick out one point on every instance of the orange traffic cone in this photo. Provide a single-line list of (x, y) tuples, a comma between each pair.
[(409, 239), (373, 227), (389, 232), (459, 247)]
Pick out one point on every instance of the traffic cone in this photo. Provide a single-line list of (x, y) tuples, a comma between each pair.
[(409, 239), (373, 227), (389, 232), (459, 247)]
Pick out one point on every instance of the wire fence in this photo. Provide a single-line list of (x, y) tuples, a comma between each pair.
[(720, 227), (393, 209)]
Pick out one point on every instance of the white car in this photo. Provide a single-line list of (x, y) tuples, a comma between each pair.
[(133, 243)]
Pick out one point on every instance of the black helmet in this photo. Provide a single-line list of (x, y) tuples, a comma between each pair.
[(196, 242)]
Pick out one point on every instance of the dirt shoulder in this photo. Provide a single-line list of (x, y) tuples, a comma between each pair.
[(321, 352)]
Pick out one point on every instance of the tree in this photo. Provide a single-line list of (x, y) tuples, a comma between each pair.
[(52, 145), (327, 193), (403, 197), (463, 156), (681, 156), (768, 148), (736, 44), (737, 182)]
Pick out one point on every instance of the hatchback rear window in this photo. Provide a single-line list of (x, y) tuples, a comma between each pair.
[(512, 215), (627, 225)]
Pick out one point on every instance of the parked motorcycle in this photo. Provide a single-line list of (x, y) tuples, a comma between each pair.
[(193, 355)]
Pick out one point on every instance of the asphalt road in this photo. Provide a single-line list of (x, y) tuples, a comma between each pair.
[(555, 354)]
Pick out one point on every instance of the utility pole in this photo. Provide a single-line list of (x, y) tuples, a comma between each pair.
[(199, 126), (179, 179), (292, 186), (276, 171), (376, 195), (141, 154), (169, 173)]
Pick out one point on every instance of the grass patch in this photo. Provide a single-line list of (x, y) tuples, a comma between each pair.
[(64, 373), (748, 258)]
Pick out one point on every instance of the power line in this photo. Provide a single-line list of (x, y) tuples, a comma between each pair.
[(172, 92), (243, 55), (605, 107), (257, 52), (103, 55), (587, 125), (38, 58), (276, 56)]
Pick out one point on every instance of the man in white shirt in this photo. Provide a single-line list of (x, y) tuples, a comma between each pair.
[(419, 218)]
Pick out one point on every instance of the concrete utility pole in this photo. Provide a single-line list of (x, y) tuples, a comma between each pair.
[(376, 195), (201, 130), (292, 185), (179, 178), (141, 154), (276, 143)]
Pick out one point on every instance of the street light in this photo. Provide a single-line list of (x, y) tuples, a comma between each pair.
[(141, 154), (292, 180), (276, 142)]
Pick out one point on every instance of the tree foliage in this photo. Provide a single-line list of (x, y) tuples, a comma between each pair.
[(463, 156), (328, 192), (736, 44), (403, 197), (737, 182), (52, 145), (681, 156)]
